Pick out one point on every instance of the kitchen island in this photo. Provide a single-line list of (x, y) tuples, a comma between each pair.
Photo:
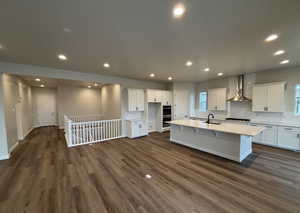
[(231, 141)]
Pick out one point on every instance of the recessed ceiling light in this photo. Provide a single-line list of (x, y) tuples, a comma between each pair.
[(170, 78), (106, 65), (272, 37), (189, 63), (220, 74), (207, 69), (37, 79), (42, 85), (285, 61), (62, 57), (1, 47), (152, 75), (89, 86), (95, 84), (178, 10), (67, 30), (279, 52)]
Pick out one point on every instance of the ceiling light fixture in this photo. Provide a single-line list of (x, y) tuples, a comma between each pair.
[(178, 10), (152, 75), (285, 61), (170, 78), (95, 84), (147, 176), (89, 86), (207, 69), (67, 30), (106, 65), (189, 63), (279, 52), (42, 85), (272, 37), (220, 74), (1, 47), (62, 57), (37, 79)]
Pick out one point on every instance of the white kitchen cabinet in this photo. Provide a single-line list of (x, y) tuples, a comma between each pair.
[(217, 99), (268, 136), (136, 128), (154, 95), (268, 97), (289, 137), (166, 97), (136, 100)]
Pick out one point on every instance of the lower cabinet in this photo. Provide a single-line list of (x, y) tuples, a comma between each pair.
[(136, 128), (268, 136), (289, 137), (280, 136)]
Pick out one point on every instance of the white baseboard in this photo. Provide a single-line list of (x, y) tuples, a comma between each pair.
[(27, 133), (4, 157), (13, 147)]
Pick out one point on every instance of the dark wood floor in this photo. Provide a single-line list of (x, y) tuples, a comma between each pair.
[(44, 175)]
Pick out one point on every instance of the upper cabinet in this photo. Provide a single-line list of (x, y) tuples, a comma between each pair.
[(217, 99), (136, 100), (166, 98), (159, 96), (268, 97)]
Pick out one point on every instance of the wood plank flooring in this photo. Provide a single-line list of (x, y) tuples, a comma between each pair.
[(44, 175)]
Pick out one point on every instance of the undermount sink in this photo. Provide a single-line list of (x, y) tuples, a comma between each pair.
[(212, 122)]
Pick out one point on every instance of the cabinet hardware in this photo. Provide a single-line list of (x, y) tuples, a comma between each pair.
[(269, 127), (288, 128)]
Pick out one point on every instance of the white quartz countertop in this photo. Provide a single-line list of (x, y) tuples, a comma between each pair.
[(257, 121), (238, 129)]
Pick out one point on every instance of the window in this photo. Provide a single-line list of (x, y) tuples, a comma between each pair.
[(297, 99), (203, 101)]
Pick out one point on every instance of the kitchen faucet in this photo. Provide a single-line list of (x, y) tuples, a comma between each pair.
[(208, 117)]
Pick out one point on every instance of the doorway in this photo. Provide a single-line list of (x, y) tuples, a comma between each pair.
[(44, 107)]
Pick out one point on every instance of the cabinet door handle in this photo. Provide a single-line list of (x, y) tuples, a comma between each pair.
[(288, 128), (269, 127)]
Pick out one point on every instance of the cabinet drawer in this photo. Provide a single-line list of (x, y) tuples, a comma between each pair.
[(289, 137)]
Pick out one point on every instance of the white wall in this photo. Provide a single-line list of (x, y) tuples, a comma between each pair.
[(111, 101), (73, 100), (25, 107), (15, 91)]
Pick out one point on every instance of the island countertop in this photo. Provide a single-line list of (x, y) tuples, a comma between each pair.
[(223, 127)]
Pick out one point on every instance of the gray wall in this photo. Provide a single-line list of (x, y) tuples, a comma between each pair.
[(111, 101), (77, 101)]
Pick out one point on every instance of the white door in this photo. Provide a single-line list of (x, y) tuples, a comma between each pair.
[(45, 106), (260, 98), (19, 121), (181, 104)]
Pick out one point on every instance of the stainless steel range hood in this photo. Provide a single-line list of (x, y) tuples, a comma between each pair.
[(239, 97)]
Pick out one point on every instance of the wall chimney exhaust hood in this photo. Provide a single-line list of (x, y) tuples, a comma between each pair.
[(239, 96)]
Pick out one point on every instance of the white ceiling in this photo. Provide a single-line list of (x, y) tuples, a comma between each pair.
[(139, 37), (54, 83)]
